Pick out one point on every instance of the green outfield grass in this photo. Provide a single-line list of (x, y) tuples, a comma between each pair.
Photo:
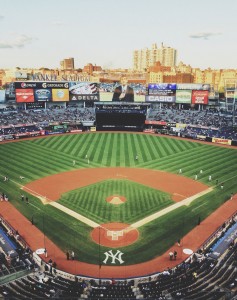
[(37, 158)]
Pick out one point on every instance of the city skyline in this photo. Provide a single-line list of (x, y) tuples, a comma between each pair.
[(41, 34)]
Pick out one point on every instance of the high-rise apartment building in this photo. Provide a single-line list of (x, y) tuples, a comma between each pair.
[(67, 64), (145, 58)]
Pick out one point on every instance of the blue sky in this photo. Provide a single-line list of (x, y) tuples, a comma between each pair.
[(105, 32)]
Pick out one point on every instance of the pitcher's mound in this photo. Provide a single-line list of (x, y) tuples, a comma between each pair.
[(116, 199), (114, 235)]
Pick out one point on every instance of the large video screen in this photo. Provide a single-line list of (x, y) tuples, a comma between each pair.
[(120, 119), (131, 92)]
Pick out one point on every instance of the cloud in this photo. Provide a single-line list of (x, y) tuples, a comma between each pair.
[(57, 23), (204, 35), (18, 42), (1, 17)]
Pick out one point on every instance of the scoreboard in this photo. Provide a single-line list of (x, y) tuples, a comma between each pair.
[(120, 116)]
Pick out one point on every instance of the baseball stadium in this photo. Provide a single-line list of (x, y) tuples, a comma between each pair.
[(117, 198)]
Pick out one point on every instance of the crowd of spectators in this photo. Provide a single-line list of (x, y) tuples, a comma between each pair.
[(210, 123), (208, 118), (11, 129), (222, 133), (46, 116)]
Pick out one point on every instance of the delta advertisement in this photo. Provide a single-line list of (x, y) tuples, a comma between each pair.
[(84, 91)]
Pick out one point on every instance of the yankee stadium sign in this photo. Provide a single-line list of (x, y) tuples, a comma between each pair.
[(54, 77)]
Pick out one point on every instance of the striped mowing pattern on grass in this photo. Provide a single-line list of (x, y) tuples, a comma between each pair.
[(37, 158), (141, 201), (41, 157)]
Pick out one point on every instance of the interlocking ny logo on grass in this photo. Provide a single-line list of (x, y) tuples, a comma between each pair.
[(117, 256)]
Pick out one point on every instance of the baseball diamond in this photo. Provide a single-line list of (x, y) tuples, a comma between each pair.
[(118, 214)]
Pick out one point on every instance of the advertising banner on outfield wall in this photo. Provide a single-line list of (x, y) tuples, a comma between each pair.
[(221, 141), (181, 125), (149, 130), (201, 137), (153, 122), (183, 96), (199, 97), (26, 95)]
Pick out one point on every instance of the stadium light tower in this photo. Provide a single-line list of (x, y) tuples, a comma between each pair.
[(234, 103)]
